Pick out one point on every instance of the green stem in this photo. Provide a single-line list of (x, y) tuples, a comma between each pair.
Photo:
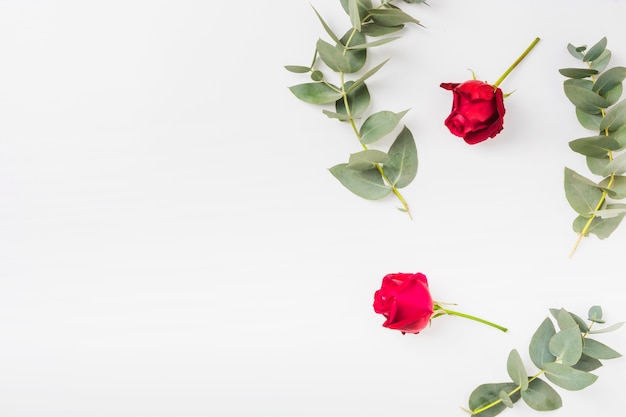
[(467, 316), (516, 63)]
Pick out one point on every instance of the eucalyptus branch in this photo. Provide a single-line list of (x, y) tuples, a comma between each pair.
[(594, 93), (371, 174)]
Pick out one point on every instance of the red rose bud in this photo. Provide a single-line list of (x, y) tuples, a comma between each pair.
[(404, 299), (477, 107), (477, 111), (406, 303)]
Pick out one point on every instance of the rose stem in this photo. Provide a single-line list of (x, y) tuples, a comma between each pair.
[(467, 316), (516, 63)]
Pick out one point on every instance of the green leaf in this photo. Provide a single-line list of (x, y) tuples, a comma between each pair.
[(358, 100), (598, 165), (610, 213), (596, 50), (339, 116), (595, 314), (516, 370), (609, 80), (602, 61), (326, 27), (356, 57), (366, 184), (298, 69), (615, 117), (567, 377), (365, 76), (567, 345), (612, 96), (333, 56), (391, 17), (587, 363), (602, 228), (611, 328), (577, 72), (564, 318), (538, 349), (373, 29), (367, 159), (620, 136), (588, 121), (363, 7), (541, 396), (616, 166), (599, 350), (317, 75), (379, 124), (506, 400), (353, 12), (402, 165), (315, 93), (594, 146), (375, 43), (486, 394), (574, 51), (582, 194), (586, 100)]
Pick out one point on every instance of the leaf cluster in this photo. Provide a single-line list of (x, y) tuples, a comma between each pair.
[(595, 92), (371, 174), (565, 357)]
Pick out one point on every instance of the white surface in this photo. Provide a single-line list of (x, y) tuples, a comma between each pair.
[(171, 243)]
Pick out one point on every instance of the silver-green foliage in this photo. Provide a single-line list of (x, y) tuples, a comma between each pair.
[(371, 174), (595, 92), (565, 357)]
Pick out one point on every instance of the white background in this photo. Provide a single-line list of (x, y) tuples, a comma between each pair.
[(172, 244)]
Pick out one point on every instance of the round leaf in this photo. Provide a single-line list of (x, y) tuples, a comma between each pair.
[(367, 184), (538, 349), (541, 396), (315, 93), (402, 165), (567, 345)]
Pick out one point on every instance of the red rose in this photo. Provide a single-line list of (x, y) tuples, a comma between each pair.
[(477, 110), (405, 300)]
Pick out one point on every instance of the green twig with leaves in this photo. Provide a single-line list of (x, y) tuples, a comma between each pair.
[(566, 358), (370, 173), (595, 92)]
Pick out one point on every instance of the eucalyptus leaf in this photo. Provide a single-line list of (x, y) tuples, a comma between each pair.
[(391, 17), (358, 100), (596, 50), (506, 400), (615, 117), (538, 349), (356, 57), (567, 377), (582, 194), (333, 56), (564, 319), (598, 165), (577, 72), (612, 96), (367, 159), (599, 350), (486, 394), (586, 100), (609, 80), (587, 363), (373, 29), (402, 165), (608, 329), (610, 213), (594, 314), (588, 121), (516, 370), (298, 69), (602, 228), (366, 184), (620, 136), (316, 93), (379, 124), (363, 7), (353, 12), (602, 61), (574, 51), (567, 345), (541, 396), (365, 76), (594, 146), (339, 116), (326, 27), (616, 166)]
